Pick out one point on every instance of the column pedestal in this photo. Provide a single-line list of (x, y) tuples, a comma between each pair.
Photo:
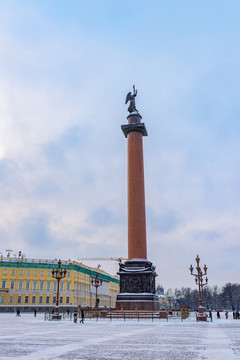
[(137, 286)]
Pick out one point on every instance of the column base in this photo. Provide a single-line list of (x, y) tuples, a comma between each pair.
[(137, 301)]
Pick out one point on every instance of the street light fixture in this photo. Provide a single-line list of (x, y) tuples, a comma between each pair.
[(58, 274), (96, 282), (201, 315)]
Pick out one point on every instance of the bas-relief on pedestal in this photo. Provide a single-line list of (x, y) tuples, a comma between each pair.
[(137, 277)]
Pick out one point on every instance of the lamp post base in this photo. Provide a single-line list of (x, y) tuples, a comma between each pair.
[(201, 314), (56, 317)]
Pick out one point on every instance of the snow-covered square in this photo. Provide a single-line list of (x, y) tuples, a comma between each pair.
[(29, 337)]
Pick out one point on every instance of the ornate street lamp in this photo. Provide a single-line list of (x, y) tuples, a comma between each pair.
[(201, 315), (58, 274), (96, 282)]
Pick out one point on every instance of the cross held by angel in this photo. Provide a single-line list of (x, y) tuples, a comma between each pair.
[(131, 97)]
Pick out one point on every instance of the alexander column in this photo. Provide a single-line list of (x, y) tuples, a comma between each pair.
[(137, 274)]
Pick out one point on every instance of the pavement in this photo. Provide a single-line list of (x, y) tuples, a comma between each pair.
[(28, 337)]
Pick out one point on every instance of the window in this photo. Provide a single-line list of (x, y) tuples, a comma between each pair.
[(4, 271), (41, 285), (54, 300), (40, 299), (10, 299), (42, 272), (27, 284), (20, 285), (68, 274), (21, 272), (35, 272), (68, 285), (48, 285), (19, 299), (3, 284), (49, 273), (28, 272), (47, 300), (26, 299), (67, 300), (34, 284), (61, 285), (13, 271), (2, 299), (12, 283), (34, 300), (55, 285), (61, 300)]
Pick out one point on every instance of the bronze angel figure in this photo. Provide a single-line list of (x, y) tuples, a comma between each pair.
[(131, 97)]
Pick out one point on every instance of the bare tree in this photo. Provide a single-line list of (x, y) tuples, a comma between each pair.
[(231, 296)]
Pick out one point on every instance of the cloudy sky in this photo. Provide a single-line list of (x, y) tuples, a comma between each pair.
[(65, 69)]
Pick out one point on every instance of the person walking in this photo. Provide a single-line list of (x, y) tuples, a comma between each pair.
[(210, 315), (226, 314), (75, 316), (82, 316), (218, 315), (35, 312)]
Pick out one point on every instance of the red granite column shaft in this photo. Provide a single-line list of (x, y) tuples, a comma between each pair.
[(137, 245)]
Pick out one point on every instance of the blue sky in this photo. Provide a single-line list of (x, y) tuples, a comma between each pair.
[(65, 69)]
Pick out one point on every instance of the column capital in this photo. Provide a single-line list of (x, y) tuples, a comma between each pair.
[(140, 127)]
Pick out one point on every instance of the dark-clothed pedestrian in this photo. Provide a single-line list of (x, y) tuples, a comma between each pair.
[(218, 315), (18, 313), (35, 312), (82, 316), (75, 317), (226, 314), (210, 315)]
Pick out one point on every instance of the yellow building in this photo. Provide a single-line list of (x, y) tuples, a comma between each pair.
[(28, 283)]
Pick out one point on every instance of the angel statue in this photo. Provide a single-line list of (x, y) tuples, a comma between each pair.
[(131, 97)]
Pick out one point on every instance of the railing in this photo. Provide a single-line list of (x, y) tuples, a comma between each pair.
[(44, 261), (16, 259), (135, 314), (64, 316), (23, 259), (99, 315)]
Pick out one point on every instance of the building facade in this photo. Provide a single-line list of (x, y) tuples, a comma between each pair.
[(28, 283)]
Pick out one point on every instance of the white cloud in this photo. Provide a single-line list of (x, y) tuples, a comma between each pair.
[(63, 156)]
